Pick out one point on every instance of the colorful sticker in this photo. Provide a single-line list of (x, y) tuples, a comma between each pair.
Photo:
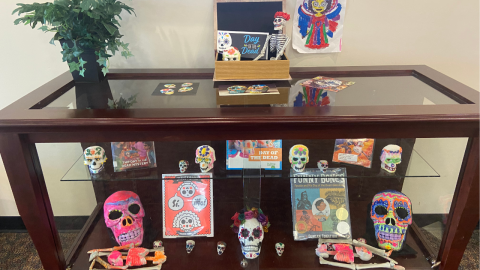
[(187, 84), (185, 89), (170, 85)]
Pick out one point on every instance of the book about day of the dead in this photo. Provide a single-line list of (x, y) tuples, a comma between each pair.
[(320, 204), (133, 155)]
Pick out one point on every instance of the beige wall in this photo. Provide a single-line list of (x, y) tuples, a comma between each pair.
[(438, 33)]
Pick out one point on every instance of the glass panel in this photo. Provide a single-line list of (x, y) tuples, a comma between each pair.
[(295, 202), (367, 91)]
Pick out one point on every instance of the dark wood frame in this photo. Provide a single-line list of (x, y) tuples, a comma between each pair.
[(22, 124)]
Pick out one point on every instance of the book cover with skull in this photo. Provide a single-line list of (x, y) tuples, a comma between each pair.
[(354, 151), (133, 155), (320, 206), (187, 205)]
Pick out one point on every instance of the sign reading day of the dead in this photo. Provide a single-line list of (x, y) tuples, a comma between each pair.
[(249, 44)]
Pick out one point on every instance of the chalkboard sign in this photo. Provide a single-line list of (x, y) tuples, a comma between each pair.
[(247, 16), (250, 44)]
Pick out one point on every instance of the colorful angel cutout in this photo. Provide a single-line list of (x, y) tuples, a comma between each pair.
[(320, 26)]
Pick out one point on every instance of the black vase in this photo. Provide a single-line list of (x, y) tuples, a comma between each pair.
[(93, 71)]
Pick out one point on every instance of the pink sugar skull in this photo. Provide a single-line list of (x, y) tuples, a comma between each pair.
[(205, 156), (123, 213)]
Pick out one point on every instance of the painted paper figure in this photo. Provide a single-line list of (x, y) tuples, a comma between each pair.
[(318, 26)]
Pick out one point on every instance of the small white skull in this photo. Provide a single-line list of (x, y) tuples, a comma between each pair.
[(280, 247), (251, 236), (157, 244), (322, 165), (94, 157), (183, 165), (244, 263), (278, 23), (231, 54), (390, 157), (221, 246), (190, 245)]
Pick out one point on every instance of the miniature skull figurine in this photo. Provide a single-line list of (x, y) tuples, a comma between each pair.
[(244, 263), (157, 244), (183, 165), (322, 165), (391, 214), (224, 41), (190, 245), (298, 157), (221, 246), (279, 247), (251, 236), (390, 157), (205, 156), (231, 54), (123, 213), (94, 157)]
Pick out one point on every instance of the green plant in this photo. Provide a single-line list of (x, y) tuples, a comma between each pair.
[(89, 24), (122, 103)]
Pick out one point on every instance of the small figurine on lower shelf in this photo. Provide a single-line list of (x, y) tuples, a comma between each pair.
[(221, 246), (158, 244), (244, 263), (322, 165), (342, 251), (135, 256), (279, 248), (190, 245)]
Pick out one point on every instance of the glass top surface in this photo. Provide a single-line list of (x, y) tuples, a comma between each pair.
[(367, 91)]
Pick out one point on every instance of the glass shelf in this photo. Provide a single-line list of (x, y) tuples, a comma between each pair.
[(413, 166)]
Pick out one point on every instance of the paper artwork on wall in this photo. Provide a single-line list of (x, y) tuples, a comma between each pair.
[(318, 26)]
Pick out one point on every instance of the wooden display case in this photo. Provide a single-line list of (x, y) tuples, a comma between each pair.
[(43, 117)]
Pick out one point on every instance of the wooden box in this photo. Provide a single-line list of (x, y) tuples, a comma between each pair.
[(248, 16)]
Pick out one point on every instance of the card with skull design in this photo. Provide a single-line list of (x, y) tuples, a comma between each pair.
[(187, 205)]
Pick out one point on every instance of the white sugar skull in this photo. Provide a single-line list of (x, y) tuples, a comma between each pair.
[(251, 234), (231, 54), (391, 214), (221, 246), (123, 213), (94, 157), (224, 41), (187, 189), (322, 165), (186, 221), (391, 156), (205, 156), (183, 165), (157, 244), (279, 248), (190, 244), (298, 157)]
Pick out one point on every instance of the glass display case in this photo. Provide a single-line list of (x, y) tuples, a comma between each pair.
[(68, 147)]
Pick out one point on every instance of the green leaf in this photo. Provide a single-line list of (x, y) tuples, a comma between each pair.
[(82, 72), (81, 62), (102, 61), (52, 41), (110, 28), (74, 66), (43, 28), (105, 71)]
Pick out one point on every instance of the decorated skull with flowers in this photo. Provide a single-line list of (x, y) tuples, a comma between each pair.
[(250, 227)]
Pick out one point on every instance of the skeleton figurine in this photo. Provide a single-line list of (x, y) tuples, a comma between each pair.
[(158, 244), (278, 42), (221, 246), (183, 165), (322, 165)]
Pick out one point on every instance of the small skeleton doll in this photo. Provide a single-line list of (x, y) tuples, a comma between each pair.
[(278, 42)]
